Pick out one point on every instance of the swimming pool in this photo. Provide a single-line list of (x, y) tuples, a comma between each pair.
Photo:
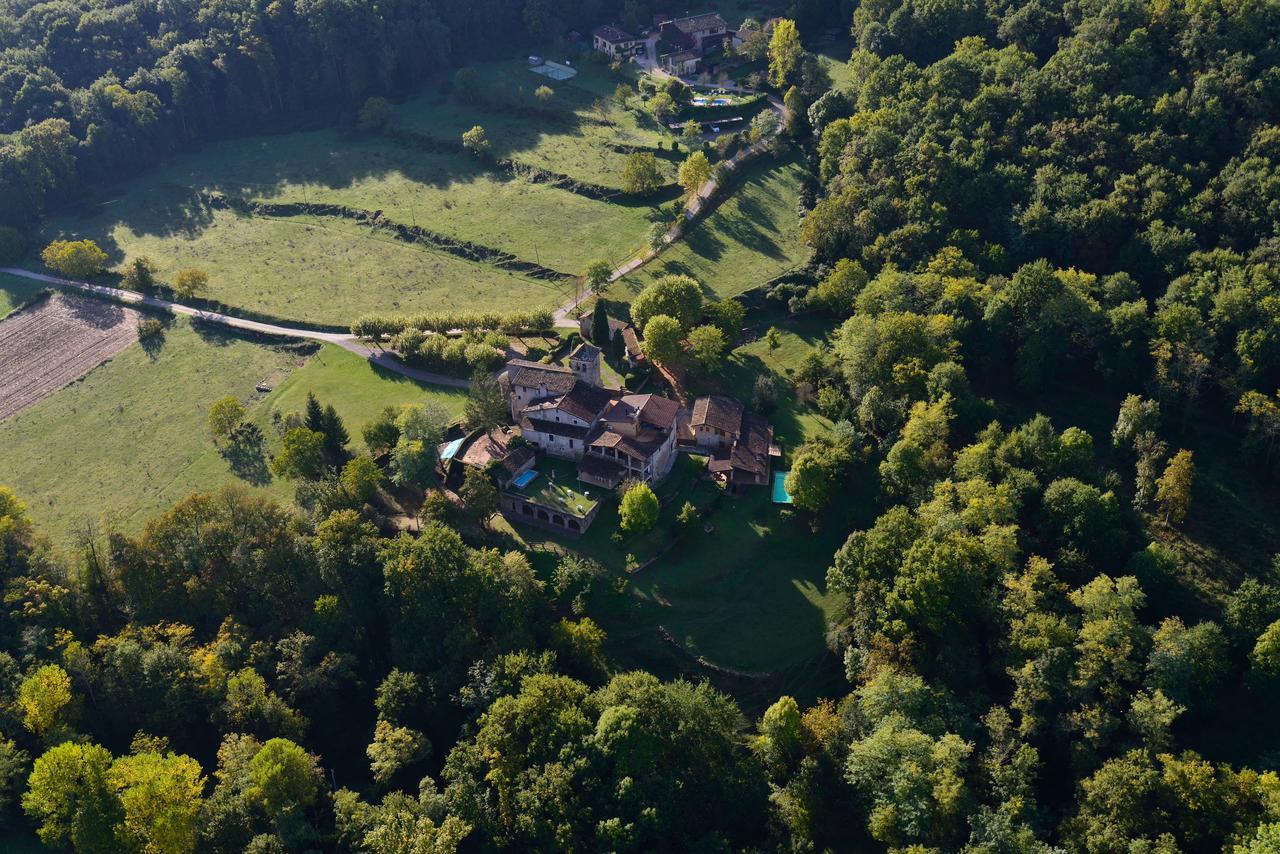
[(780, 494)]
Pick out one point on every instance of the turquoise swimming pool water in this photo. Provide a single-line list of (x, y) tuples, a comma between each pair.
[(780, 494)]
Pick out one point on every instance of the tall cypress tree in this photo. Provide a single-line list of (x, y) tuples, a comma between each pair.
[(600, 324)]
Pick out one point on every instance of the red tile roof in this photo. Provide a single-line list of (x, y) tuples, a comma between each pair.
[(718, 411)]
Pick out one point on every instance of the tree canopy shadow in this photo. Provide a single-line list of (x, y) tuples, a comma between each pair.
[(245, 452)]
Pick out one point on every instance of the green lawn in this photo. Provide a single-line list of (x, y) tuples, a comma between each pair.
[(797, 337), (750, 238), (16, 291), (750, 595), (835, 58), (358, 390), (129, 439), (557, 487)]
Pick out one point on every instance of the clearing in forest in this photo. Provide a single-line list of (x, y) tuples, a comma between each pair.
[(285, 227), (55, 342)]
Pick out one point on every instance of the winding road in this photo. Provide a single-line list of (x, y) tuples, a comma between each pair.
[(694, 207), (377, 356)]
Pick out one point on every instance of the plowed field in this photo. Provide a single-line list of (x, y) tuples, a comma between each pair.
[(55, 342)]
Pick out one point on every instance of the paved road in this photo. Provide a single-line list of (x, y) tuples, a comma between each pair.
[(377, 356)]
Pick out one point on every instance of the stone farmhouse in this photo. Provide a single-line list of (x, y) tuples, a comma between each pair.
[(739, 443), (683, 43), (589, 437), (564, 412), (680, 44)]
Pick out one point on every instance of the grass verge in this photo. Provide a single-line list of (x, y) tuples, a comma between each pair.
[(16, 292)]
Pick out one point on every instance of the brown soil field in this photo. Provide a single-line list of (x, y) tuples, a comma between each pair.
[(55, 342)]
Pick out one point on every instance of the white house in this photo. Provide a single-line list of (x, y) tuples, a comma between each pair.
[(616, 42)]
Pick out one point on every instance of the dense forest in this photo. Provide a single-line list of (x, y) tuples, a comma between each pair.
[(1047, 247)]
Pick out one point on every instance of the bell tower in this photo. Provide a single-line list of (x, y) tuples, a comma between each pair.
[(584, 361)]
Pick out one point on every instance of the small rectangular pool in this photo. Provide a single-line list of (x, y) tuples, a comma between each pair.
[(525, 479), (780, 494)]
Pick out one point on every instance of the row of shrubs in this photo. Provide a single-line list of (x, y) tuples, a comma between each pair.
[(471, 351), (377, 327)]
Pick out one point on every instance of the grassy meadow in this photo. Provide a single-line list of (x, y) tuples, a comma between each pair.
[(330, 270), (797, 337), (835, 58), (129, 439), (323, 270), (357, 389), (450, 194), (15, 292), (588, 143), (753, 236)]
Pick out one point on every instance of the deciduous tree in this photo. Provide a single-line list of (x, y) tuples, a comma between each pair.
[(225, 415), (662, 339), (785, 52), (638, 511), (707, 345), (140, 275), (598, 273), (69, 799), (641, 174), (1173, 489), (479, 494), (694, 172), (476, 141), (486, 407), (675, 295), (80, 259), (190, 283), (45, 699), (301, 455)]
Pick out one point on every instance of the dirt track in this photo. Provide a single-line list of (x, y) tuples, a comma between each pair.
[(55, 342)]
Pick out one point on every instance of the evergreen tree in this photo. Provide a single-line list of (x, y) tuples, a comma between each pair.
[(600, 325), (313, 415), (335, 433)]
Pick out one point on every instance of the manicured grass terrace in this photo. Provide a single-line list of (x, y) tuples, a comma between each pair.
[(557, 487)]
